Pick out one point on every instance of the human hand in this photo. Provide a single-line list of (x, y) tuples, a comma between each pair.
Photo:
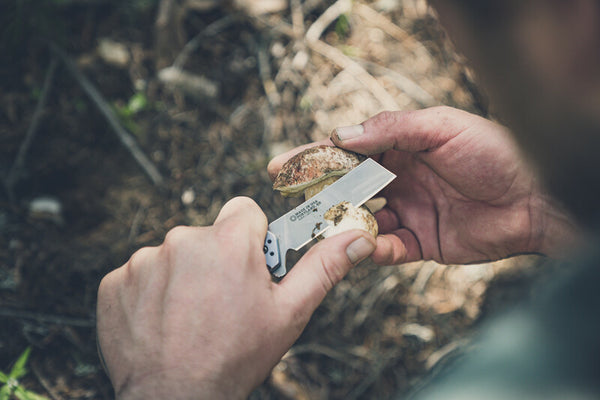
[(463, 193), (200, 317)]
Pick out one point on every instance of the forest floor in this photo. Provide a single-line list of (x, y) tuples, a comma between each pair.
[(210, 91)]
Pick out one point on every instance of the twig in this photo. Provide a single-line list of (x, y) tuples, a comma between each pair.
[(340, 59), (331, 14), (135, 224), (44, 318), (422, 278), (345, 62), (196, 86), (368, 14), (264, 71), (125, 137), (297, 18), (445, 351), (282, 27), (210, 30), (382, 287), (376, 372), (44, 382), (345, 357), (17, 167), (405, 84)]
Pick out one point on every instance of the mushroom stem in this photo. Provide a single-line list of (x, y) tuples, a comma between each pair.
[(317, 187)]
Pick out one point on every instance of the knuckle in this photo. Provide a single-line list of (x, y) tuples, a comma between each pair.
[(248, 216), (386, 118), (175, 240), (176, 236), (107, 285), (179, 240), (134, 266), (246, 205)]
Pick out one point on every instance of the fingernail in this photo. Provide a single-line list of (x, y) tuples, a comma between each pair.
[(360, 249), (349, 132)]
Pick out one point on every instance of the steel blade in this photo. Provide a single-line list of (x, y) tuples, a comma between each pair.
[(299, 226)]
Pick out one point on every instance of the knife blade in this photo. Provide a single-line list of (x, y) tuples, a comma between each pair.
[(299, 226)]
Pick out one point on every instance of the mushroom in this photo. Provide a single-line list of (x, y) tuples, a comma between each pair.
[(310, 171), (344, 217)]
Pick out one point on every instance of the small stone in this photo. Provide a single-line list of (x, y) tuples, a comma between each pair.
[(46, 207), (113, 53), (188, 196), (423, 333)]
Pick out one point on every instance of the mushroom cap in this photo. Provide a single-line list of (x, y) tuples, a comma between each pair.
[(313, 165)]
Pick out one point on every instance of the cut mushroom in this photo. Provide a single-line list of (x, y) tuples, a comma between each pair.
[(344, 217), (310, 171)]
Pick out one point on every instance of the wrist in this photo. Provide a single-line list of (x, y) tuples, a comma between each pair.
[(556, 233), (177, 385)]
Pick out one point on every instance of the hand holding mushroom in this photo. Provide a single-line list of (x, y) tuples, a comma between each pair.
[(463, 193)]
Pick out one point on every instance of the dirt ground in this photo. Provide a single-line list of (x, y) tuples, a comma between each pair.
[(210, 91)]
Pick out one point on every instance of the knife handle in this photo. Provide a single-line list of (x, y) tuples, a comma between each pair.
[(271, 250)]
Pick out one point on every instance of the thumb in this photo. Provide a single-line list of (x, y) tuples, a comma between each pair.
[(323, 266), (412, 131)]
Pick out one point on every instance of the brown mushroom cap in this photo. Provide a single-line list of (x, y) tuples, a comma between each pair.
[(312, 166)]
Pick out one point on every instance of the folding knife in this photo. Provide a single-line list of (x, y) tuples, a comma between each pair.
[(305, 222)]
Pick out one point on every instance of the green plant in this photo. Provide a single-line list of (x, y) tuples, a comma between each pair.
[(11, 381), (137, 103), (342, 26)]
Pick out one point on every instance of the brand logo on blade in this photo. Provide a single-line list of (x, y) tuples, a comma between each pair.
[(306, 210)]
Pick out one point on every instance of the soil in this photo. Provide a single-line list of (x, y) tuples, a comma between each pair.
[(258, 90)]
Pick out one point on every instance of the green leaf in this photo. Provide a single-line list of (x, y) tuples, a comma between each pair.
[(23, 394), (20, 394), (342, 26), (34, 396), (137, 103), (3, 377), (18, 370), (5, 392)]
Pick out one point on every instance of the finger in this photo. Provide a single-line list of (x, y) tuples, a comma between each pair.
[(387, 220), (243, 212), (323, 266), (277, 162), (413, 131), (390, 250), (398, 247)]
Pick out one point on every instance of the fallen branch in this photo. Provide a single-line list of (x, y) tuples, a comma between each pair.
[(125, 137), (44, 382), (297, 18), (345, 62), (191, 46), (44, 318), (377, 369), (264, 71), (17, 167), (387, 26), (422, 278), (340, 59), (196, 86), (347, 357), (402, 82)]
